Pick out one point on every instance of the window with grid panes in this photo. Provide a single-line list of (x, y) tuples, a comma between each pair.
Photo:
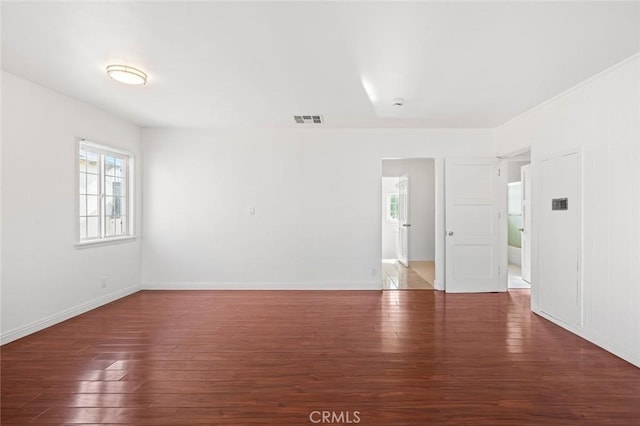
[(104, 190)]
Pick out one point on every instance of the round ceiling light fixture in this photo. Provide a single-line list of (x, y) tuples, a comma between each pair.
[(127, 75)]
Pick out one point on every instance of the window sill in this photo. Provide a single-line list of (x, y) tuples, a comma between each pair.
[(105, 242)]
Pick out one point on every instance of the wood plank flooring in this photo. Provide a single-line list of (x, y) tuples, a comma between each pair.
[(426, 269), (275, 358)]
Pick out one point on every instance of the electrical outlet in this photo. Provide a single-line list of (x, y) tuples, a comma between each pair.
[(374, 272), (103, 282)]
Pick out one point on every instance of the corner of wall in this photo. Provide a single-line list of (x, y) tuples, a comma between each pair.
[(64, 282), (41, 324)]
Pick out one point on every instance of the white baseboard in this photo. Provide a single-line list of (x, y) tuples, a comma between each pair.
[(43, 323), (259, 286), (594, 338)]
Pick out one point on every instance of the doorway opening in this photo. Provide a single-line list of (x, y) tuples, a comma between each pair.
[(519, 221), (408, 224)]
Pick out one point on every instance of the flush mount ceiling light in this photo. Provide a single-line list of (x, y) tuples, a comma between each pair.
[(127, 75)]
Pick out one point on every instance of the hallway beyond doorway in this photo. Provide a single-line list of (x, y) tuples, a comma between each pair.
[(515, 277), (420, 275)]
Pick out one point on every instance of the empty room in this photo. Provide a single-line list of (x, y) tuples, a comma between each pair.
[(324, 212)]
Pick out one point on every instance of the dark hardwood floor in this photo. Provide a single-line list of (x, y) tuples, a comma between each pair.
[(277, 358)]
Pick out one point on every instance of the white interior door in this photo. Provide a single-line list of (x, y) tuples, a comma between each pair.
[(525, 177), (403, 220), (558, 266), (471, 216)]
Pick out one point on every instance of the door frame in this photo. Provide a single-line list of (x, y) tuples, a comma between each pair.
[(438, 171), (503, 235), (527, 210)]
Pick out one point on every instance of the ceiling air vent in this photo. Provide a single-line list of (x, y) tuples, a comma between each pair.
[(308, 119)]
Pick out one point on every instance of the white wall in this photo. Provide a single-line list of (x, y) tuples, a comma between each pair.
[(601, 119), (317, 197), (513, 170), (45, 278), (422, 197), (389, 228)]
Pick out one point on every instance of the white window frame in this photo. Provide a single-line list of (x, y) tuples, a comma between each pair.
[(130, 196)]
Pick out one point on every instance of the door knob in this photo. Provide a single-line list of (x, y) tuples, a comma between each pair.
[(521, 229), (450, 233), (406, 224)]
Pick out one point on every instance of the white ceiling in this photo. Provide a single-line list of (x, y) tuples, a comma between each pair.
[(213, 64)]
